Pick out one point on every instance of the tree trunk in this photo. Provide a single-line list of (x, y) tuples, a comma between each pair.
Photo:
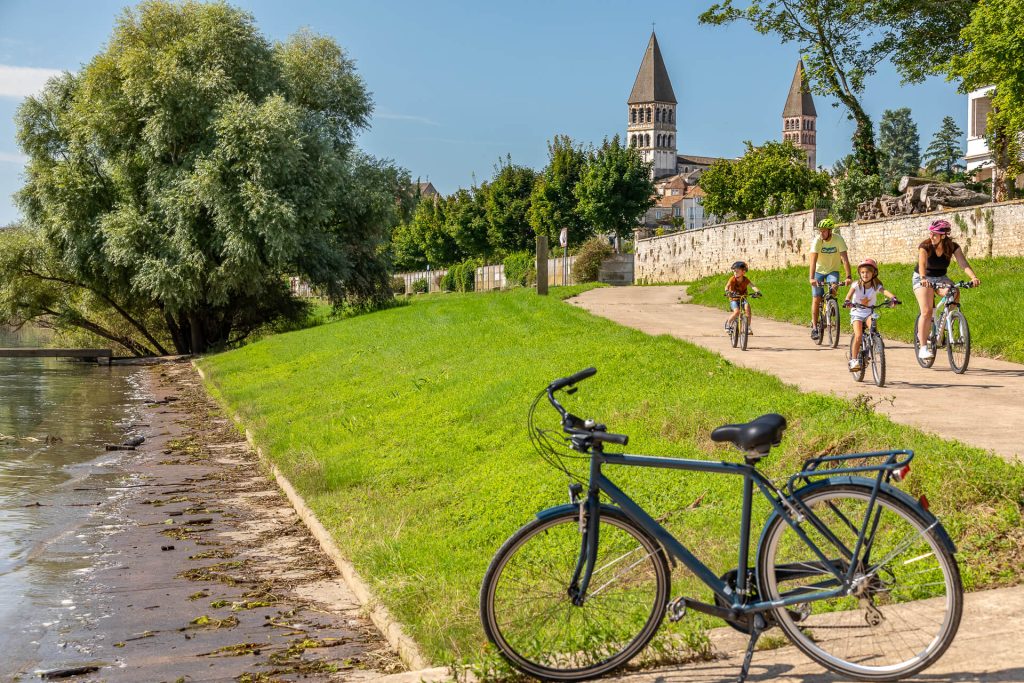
[(198, 336)]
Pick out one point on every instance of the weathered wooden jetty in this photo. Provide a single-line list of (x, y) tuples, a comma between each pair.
[(96, 355)]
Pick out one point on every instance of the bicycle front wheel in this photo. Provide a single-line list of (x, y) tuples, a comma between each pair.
[(527, 611), (906, 600), (833, 323), (745, 334), (877, 358), (958, 344)]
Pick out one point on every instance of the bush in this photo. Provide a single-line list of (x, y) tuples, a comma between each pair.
[(589, 259), (420, 286), (397, 285), (460, 277), (520, 269)]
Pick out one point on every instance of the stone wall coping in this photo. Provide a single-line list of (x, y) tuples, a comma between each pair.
[(922, 216), (719, 226)]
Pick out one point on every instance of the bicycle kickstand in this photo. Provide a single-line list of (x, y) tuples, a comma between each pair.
[(756, 629)]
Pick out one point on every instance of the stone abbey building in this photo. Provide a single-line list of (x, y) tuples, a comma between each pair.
[(651, 128)]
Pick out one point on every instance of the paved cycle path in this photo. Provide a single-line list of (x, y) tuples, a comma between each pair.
[(983, 407)]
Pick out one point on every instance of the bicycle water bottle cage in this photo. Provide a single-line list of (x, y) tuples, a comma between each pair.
[(754, 438)]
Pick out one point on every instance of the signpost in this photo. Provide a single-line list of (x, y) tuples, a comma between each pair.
[(563, 239)]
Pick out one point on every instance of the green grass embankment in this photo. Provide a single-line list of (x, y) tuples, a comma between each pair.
[(405, 431), (993, 311)]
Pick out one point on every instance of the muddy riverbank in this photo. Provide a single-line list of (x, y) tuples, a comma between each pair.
[(203, 571)]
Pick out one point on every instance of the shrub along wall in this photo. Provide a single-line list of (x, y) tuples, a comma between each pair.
[(782, 241)]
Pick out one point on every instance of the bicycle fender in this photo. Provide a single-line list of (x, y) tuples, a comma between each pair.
[(869, 484), (572, 507)]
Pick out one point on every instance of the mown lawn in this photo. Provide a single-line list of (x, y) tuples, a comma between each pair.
[(405, 431), (996, 321)]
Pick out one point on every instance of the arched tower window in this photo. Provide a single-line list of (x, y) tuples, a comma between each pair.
[(648, 114), (657, 115), (671, 116), (670, 140), (632, 115), (647, 138), (632, 140)]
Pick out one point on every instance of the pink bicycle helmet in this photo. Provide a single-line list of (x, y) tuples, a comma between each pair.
[(940, 227), (869, 262)]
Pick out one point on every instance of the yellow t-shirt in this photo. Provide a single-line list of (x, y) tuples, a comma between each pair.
[(829, 260)]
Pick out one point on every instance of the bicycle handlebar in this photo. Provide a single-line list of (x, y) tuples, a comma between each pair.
[(737, 295), (572, 379), (889, 303), (590, 431)]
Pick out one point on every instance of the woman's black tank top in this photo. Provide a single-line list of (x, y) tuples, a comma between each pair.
[(936, 266)]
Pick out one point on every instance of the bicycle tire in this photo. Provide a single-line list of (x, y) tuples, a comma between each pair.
[(924, 363), (833, 323), (912, 549), (745, 334), (533, 568), (734, 335), (958, 342), (821, 325), (878, 360), (857, 375)]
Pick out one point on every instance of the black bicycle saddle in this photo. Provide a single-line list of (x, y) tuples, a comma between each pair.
[(758, 435)]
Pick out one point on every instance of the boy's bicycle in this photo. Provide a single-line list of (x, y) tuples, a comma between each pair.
[(828, 316), (872, 348), (741, 327), (949, 329), (858, 575)]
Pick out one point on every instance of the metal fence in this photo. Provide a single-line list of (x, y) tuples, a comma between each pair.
[(490, 278)]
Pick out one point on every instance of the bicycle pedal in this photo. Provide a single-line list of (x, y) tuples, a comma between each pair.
[(677, 609)]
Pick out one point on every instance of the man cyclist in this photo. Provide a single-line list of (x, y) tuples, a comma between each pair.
[(828, 252)]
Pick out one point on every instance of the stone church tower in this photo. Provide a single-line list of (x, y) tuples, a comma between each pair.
[(652, 112), (799, 116)]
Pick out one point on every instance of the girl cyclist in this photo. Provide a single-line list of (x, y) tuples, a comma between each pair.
[(934, 255), (865, 292)]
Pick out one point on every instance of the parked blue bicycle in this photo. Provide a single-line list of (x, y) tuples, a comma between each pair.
[(858, 575)]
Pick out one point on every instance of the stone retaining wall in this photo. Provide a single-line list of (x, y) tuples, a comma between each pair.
[(782, 241)]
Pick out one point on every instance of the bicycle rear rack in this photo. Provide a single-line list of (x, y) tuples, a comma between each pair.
[(893, 462)]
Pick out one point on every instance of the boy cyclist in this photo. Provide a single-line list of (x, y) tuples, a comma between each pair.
[(828, 252), (865, 292), (736, 287)]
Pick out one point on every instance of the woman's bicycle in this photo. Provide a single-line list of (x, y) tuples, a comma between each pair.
[(858, 575), (741, 327), (949, 329), (872, 348), (828, 316)]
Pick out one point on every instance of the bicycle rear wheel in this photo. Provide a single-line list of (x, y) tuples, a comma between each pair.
[(857, 375), (907, 596), (924, 363), (528, 614), (958, 345), (877, 358), (833, 323)]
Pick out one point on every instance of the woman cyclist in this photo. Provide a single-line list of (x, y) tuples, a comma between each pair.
[(934, 255)]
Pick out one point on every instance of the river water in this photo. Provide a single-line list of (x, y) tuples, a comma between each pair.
[(58, 488)]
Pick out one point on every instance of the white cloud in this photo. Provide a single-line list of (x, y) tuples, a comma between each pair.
[(7, 157), (22, 81)]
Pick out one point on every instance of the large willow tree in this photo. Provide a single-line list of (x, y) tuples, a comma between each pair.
[(178, 177)]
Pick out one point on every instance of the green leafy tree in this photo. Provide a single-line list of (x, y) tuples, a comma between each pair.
[(831, 35), (944, 157), (466, 221), (996, 55), (616, 189), (769, 179), (553, 204), (189, 167), (508, 205), (855, 187), (899, 146), (920, 35)]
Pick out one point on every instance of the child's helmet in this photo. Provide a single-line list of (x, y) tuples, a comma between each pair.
[(870, 262), (739, 264), (940, 227)]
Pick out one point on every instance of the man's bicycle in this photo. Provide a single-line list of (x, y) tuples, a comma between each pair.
[(872, 348), (741, 327), (949, 329), (858, 575), (828, 316)]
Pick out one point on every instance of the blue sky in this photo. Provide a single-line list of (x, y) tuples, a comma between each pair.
[(457, 85)]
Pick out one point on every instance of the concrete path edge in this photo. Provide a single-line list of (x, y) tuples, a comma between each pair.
[(396, 634)]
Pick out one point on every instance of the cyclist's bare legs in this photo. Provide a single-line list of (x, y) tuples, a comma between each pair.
[(815, 305), (926, 300), (858, 334)]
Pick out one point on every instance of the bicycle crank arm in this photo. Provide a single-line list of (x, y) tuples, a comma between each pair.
[(681, 604)]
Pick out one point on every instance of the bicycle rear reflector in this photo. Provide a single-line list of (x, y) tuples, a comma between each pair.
[(902, 473), (923, 500)]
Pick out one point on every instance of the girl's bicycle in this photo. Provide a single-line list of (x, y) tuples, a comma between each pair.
[(872, 348), (741, 327), (828, 316), (949, 329), (858, 575)]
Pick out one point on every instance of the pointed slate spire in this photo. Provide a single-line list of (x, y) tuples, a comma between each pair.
[(652, 83), (799, 102)]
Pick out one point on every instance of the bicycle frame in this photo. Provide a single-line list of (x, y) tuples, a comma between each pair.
[(790, 508)]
